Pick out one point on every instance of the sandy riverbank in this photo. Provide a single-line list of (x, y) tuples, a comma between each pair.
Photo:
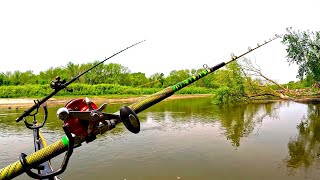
[(26, 102)]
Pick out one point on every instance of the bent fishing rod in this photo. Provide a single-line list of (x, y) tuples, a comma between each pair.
[(83, 120)]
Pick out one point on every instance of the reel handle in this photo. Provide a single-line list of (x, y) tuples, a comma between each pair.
[(130, 119)]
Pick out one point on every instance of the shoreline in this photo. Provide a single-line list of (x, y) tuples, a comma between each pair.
[(27, 102)]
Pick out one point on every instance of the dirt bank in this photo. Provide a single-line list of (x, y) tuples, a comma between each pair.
[(26, 102)]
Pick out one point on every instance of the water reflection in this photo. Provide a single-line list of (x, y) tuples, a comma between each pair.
[(239, 121), (304, 148), (187, 138), (236, 122)]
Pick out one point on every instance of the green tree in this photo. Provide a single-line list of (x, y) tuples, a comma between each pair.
[(177, 76), (15, 78), (113, 73), (156, 80), (303, 49), (4, 79), (208, 81), (72, 70), (232, 85), (139, 79), (27, 78)]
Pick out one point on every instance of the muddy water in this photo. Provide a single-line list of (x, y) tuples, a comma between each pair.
[(188, 139)]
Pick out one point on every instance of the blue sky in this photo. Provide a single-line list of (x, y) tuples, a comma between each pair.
[(36, 35)]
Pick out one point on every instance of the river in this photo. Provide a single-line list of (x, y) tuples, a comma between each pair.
[(187, 139)]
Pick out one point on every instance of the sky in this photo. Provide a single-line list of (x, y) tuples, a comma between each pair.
[(179, 34)]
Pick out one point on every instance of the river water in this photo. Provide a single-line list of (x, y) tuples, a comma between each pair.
[(188, 139)]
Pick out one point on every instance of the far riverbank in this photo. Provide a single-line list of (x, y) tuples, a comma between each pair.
[(13, 103)]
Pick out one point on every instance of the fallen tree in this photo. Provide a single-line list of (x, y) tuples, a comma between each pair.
[(264, 86)]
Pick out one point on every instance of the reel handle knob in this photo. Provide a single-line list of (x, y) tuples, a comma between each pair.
[(130, 119), (89, 103), (63, 114)]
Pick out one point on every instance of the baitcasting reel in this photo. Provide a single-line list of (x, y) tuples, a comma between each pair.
[(85, 120)]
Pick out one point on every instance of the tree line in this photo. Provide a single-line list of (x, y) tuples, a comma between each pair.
[(111, 73), (303, 49), (117, 79), (230, 84)]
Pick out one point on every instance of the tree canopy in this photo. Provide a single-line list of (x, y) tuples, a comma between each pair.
[(111, 73), (303, 49)]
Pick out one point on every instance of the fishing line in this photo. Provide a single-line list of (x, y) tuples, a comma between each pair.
[(57, 85), (98, 122)]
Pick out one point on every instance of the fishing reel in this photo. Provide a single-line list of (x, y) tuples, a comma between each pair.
[(82, 121), (85, 120)]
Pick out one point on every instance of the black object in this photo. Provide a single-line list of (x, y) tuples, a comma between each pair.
[(34, 126), (57, 83), (130, 119), (27, 168)]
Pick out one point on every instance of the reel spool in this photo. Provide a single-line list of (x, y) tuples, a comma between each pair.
[(81, 117)]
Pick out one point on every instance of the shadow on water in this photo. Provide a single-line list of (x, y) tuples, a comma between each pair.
[(304, 148)]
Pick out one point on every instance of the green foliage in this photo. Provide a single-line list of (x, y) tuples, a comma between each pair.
[(232, 85), (229, 85), (303, 48), (308, 81), (156, 80), (226, 95), (113, 78), (297, 85), (105, 79), (86, 89), (24, 91), (195, 90), (177, 76), (17, 78), (304, 148), (138, 79)]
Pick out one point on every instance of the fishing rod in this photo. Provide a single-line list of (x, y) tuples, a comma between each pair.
[(83, 120), (57, 85), (167, 92), (39, 141)]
